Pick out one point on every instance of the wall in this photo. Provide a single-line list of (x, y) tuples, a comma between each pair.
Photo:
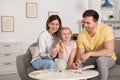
[(26, 30), (115, 11), (96, 5), (111, 11)]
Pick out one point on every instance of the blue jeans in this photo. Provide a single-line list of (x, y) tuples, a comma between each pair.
[(43, 64)]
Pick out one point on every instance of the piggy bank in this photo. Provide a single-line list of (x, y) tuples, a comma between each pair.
[(60, 65)]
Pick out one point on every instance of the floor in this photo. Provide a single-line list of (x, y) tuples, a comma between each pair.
[(14, 76)]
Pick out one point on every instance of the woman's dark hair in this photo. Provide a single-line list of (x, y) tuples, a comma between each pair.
[(92, 13), (50, 19)]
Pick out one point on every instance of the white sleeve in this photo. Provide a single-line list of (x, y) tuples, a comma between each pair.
[(43, 49)]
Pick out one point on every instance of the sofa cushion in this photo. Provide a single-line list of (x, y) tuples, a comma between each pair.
[(115, 71), (34, 51), (114, 78)]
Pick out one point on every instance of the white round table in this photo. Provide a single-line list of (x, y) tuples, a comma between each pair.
[(66, 75)]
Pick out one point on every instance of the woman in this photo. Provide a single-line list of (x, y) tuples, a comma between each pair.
[(44, 58)]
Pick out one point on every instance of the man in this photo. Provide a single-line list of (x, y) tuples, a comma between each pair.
[(96, 44)]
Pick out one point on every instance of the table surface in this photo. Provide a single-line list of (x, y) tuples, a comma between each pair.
[(66, 75)]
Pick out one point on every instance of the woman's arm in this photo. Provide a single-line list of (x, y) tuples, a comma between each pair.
[(44, 50)]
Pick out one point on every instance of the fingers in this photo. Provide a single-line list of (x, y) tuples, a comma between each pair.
[(78, 62), (75, 66), (53, 53), (83, 58)]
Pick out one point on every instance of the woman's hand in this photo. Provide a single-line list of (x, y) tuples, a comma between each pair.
[(54, 52)]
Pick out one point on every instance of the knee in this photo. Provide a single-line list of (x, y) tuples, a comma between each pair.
[(35, 65), (50, 64), (101, 61)]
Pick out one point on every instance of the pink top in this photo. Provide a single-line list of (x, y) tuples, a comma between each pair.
[(67, 50)]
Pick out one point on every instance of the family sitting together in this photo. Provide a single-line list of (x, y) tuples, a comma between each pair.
[(94, 45)]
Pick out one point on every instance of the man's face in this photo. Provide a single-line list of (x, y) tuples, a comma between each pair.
[(89, 24)]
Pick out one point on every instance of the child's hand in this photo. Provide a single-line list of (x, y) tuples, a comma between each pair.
[(69, 66), (75, 66)]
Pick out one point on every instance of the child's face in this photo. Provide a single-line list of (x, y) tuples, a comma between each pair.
[(65, 35)]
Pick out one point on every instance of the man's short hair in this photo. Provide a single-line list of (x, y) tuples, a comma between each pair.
[(91, 13)]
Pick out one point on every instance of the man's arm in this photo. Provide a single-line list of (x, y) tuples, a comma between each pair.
[(107, 50)]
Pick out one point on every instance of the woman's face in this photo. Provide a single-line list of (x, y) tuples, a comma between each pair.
[(53, 26)]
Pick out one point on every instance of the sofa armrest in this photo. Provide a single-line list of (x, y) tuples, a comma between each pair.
[(117, 50)]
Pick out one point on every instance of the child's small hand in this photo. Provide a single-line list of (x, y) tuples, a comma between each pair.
[(69, 66), (75, 66)]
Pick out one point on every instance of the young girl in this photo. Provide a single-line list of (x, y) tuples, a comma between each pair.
[(66, 48)]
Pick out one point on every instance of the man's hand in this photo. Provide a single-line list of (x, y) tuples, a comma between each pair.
[(85, 56)]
